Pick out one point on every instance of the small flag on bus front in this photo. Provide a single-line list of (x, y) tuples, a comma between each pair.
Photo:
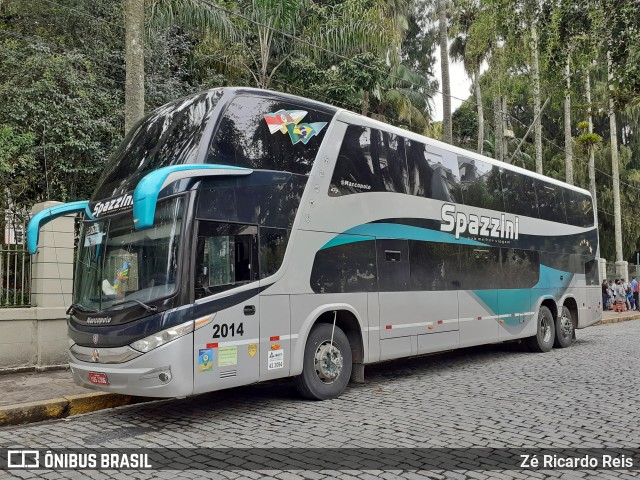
[(289, 121), (304, 131), (279, 120)]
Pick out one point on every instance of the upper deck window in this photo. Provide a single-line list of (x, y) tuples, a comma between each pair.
[(480, 183), (167, 136), (579, 208), (244, 137), (550, 202)]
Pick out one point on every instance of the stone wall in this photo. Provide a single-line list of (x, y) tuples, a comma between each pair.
[(36, 337)]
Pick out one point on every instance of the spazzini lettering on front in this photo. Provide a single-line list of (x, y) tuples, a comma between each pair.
[(482, 226), (113, 205)]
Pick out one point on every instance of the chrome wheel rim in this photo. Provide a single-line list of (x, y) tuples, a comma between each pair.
[(328, 361), (566, 327), (545, 328)]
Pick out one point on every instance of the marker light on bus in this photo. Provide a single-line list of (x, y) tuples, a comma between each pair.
[(168, 335)]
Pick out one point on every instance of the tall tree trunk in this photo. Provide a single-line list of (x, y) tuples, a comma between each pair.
[(447, 133), (365, 103), (476, 82), (497, 120), (535, 70), (615, 171), (568, 139), (134, 61), (592, 161), (505, 126)]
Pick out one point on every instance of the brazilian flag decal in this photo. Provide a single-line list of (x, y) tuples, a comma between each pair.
[(302, 132)]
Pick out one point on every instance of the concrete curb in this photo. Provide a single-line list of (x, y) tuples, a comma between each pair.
[(55, 408), (625, 318)]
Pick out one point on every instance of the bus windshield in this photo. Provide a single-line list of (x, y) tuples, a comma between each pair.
[(118, 266)]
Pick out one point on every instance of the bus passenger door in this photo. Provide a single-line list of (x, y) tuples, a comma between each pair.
[(226, 286)]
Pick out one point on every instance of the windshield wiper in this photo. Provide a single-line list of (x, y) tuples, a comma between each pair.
[(74, 306), (148, 308)]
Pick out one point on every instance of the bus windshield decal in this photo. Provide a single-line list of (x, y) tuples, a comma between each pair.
[(289, 121)]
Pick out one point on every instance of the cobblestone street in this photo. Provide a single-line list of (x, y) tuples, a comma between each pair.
[(493, 396)]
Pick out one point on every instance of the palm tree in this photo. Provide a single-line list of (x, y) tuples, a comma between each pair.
[(470, 47), (134, 63), (443, 38), (192, 14), (406, 95)]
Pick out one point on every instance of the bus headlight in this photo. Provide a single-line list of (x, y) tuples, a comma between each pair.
[(168, 335), (165, 336)]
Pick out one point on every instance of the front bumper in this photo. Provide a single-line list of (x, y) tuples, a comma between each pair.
[(145, 375)]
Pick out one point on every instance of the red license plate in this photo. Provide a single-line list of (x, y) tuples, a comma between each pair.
[(98, 378)]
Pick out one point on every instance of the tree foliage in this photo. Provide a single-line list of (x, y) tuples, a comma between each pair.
[(62, 77)]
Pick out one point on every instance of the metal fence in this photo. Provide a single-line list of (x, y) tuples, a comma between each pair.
[(634, 271), (15, 262)]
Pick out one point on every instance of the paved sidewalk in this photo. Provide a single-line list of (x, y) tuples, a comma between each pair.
[(614, 317), (33, 396), (34, 386), (36, 396)]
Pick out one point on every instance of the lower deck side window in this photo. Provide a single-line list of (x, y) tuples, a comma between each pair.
[(226, 257)]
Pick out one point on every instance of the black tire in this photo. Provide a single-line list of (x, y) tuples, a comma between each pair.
[(543, 340), (314, 383), (565, 332)]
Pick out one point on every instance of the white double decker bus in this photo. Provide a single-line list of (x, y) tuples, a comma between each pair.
[(243, 235)]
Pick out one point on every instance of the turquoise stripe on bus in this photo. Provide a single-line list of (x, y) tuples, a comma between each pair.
[(395, 231), (522, 299)]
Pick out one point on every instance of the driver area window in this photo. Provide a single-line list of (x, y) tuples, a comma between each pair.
[(226, 257)]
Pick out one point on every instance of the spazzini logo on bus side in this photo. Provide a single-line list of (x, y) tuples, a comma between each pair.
[(460, 222)]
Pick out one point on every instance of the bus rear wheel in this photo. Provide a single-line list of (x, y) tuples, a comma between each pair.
[(326, 365), (564, 329), (543, 340)]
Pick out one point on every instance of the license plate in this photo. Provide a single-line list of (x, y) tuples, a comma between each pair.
[(98, 378)]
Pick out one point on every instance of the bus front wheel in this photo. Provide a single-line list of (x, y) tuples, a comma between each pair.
[(326, 365), (543, 340)]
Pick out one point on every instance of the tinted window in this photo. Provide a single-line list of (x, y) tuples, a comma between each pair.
[(263, 198), (430, 174), (273, 243), (520, 268), (419, 172), (519, 193), (550, 202), (245, 138), (445, 182), (592, 276), (357, 168), (226, 256), (167, 136), (579, 208), (393, 265), (480, 267), (350, 267), (480, 182), (392, 162), (564, 262), (434, 266)]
